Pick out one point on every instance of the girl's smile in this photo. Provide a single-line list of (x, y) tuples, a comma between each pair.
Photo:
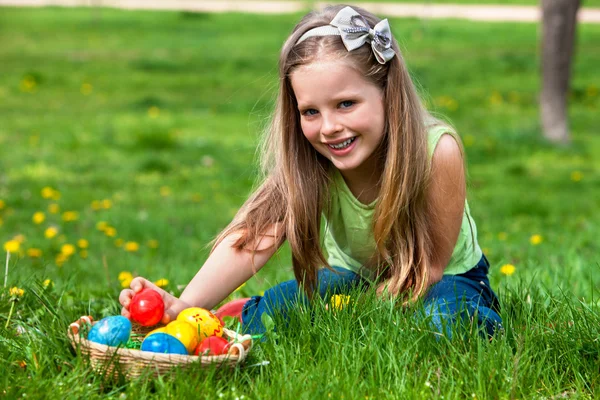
[(341, 114)]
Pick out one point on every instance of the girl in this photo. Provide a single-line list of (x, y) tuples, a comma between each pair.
[(350, 144)]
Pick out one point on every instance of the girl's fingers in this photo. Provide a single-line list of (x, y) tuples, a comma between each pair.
[(125, 313), (137, 284), (125, 297)]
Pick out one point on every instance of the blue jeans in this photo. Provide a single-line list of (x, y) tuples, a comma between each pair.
[(455, 298)]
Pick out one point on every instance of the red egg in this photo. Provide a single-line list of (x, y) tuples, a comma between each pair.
[(147, 307), (212, 346)]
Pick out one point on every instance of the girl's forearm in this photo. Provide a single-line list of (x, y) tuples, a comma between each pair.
[(224, 271)]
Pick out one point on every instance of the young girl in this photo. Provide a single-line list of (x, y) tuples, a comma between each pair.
[(351, 145)]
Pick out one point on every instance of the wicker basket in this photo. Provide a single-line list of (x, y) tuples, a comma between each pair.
[(132, 363)]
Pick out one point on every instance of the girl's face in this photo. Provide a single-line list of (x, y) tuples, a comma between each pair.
[(341, 114)]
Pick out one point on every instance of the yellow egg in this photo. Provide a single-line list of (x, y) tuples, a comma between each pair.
[(206, 323), (185, 332), (162, 329)]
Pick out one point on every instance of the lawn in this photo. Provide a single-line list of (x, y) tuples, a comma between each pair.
[(128, 142)]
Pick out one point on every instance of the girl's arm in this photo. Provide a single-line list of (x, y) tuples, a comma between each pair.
[(446, 201), (224, 271)]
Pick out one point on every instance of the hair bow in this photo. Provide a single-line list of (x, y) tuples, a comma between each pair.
[(355, 31)]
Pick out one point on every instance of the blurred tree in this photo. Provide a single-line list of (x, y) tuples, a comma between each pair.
[(559, 21)]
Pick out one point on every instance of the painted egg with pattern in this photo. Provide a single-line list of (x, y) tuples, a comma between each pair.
[(112, 331), (205, 322), (185, 332), (163, 343)]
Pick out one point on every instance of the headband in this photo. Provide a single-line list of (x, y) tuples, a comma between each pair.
[(355, 31)]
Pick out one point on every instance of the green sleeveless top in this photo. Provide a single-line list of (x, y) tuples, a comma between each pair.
[(348, 235)]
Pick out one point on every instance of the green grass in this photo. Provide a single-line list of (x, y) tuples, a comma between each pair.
[(584, 3), (160, 112)]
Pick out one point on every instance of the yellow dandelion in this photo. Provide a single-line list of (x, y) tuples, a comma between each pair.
[(339, 301), (28, 84), (67, 249), (162, 282), (53, 208), (106, 204), (119, 242), (70, 216), (576, 176), (165, 191), (38, 217), (502, 236), (125, 275), (86, 89), (83, 254), (126, 282), (48, 283), (83, 243), (101, 225), (17, 292), (12, 246), (496, 98), (34, 253), (110, 231), (535, 239), (60, 259), (507, 269), (50, 232), (153, 112), (132, 246), (153, 244), (96, 205), (2, 204)]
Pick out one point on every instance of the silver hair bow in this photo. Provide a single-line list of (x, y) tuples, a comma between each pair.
[(355, 31)]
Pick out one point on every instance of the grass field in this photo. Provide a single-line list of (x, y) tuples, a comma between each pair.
[(128, 141)]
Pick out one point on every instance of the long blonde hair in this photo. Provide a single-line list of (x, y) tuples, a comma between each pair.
[(294, 188)]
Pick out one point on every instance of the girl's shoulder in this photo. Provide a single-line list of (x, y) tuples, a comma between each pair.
[(435, 132)]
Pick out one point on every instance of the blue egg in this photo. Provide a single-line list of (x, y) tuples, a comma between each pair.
[(163, 343), (112, 331)]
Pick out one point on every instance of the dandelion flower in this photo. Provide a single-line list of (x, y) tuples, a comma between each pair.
[(339, 301), (86, 89), (106, 204), (67, 249), (60, 259), (47, 192), (12, 246), (2, 204), (50, 232), (165, 191), (96, 205), (110, 231), (70, 216), (38, 217), (17, 292), (535, 240), (48, 283), (132, 246), (83, 243), (576, 176), (153, 112), (34, 253), (125, 275), (53, 208), (101, 225), (507, 269), (162, 282), (153, 244)]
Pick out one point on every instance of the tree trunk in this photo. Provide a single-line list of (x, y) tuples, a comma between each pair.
[(559, 20)]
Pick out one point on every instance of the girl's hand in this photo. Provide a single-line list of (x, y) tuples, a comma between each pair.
[(173, 306)]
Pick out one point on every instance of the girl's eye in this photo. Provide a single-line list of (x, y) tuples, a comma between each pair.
[(346, 104), (310, 111)]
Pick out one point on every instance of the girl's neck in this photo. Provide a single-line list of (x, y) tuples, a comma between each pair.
[(363, 182)]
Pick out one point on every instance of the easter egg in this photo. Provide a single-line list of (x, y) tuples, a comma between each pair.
[(147, 307), (212, 346), (162, 329), (185, 332), (112, 331), (206, 323), (163, 343)]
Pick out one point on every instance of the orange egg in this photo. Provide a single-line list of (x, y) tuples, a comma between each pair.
[(206, 323), (185, 332)]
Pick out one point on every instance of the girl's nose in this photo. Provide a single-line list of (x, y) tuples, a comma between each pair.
[(329, 125)]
